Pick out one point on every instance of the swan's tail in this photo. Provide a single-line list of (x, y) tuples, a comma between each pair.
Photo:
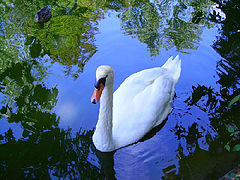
[(174, 65)]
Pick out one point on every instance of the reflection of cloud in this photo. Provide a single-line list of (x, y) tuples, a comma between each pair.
[(217, 10), (67, 111)]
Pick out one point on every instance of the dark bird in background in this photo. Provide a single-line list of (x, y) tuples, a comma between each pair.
[(43, 15)]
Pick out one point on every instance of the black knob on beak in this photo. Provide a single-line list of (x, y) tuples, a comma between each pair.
[(94, 101)]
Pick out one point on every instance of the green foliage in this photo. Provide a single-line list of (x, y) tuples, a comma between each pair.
[(227, 147), (27, 100), (230, 129), (44, 150), (234, 134), (68, 38), (159, 26), (24, 98), (236, 147)]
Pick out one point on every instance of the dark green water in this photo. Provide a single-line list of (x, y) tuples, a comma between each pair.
[(47, 74)]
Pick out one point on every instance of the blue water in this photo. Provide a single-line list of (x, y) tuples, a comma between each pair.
[(143, 160), (185, 146)]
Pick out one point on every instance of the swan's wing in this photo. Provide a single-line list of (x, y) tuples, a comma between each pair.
[(139, 103), (135, 84)]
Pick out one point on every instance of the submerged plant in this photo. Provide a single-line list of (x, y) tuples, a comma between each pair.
[(234, 133)]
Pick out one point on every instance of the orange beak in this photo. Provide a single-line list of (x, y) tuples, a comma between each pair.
[(97, 94)]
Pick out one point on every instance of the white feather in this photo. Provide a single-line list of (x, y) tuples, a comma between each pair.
[(141, 102)]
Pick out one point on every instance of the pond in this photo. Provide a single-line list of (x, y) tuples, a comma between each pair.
[(47, 75)]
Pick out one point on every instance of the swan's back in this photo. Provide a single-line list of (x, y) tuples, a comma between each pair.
[(173, 66), (143, 101)]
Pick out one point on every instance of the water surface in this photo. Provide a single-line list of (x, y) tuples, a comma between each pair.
[(47, 74)]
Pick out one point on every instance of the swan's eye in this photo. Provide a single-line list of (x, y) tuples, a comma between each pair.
[(100, 81)]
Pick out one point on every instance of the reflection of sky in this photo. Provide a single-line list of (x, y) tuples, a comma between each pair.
[(15, 127), (73, 104), (5, 126), (126, 55)]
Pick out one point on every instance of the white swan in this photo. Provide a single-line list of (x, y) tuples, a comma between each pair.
[(141, 102)]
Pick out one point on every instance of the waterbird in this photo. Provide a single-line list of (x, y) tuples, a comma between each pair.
[(141, 102), (43, 15)]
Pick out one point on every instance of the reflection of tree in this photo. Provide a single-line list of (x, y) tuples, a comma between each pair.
[(53, 153), (213, 157), (201, 152), (142, 21), (159, 26), (68, 41), (227, 45), (228, 68), (24, 99), (68, 38), (44, 150)]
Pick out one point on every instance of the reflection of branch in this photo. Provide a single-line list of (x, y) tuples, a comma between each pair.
[(53, 153), (107, 163), (154, 24), (206, 94)]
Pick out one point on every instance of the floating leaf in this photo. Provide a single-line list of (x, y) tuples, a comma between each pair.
[(230, 129), (227, 147), (236, 147)]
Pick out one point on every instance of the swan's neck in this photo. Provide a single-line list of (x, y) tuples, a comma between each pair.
[(103, 134)]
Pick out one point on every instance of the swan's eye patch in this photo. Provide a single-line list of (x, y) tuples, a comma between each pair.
[(100, 81)]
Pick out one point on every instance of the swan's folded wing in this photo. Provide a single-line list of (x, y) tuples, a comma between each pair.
[(135, 84), (139, 103)]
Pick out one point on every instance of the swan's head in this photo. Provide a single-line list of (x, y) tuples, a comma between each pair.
[(104, 78)]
